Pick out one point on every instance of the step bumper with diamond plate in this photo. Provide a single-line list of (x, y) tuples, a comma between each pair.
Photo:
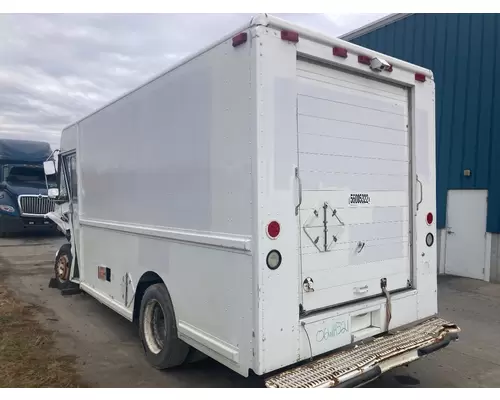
[(368, 359)]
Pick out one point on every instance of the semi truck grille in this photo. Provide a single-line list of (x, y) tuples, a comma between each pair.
[(35, 205)]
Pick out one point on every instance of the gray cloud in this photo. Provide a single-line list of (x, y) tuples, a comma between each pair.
[(56, 68)]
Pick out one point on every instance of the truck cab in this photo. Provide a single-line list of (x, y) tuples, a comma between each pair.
[(24, 200)]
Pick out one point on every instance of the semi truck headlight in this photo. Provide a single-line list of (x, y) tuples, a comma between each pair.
[(6, 208), (273, 259)]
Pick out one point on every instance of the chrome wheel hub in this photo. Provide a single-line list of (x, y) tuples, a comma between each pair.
[(155, 327)]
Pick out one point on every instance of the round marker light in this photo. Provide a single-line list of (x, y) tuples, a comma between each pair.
[(273, 229), (429, 239), (273, 259), (430, 218)]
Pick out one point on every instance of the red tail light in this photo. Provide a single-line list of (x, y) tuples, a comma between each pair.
[(273, 229), (430, 219)]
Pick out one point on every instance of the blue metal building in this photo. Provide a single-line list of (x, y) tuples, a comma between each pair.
[(463, 51)]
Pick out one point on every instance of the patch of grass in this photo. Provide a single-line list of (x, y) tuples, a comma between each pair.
[(28, 357)]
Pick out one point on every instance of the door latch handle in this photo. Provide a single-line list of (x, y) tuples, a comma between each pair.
[(308, 285), (421, 193), (361, 289), (450, 232), (297, 176)]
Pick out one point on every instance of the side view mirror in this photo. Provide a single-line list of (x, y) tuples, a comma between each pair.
[(53, 193), (49, 167)]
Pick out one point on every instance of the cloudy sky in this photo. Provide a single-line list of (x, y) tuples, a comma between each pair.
[(56, 68)]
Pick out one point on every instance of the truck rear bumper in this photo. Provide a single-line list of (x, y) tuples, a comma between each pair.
[(16, 224), (369, 359)]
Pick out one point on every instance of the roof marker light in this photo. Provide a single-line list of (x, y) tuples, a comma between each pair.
[(290, 36), (364, 60), (420, 77), (240, 38), (340, 52)]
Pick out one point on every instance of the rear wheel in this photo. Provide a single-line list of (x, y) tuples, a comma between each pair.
[(158, 329)]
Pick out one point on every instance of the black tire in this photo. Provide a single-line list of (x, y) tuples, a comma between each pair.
[(158, 329), (63, 257)]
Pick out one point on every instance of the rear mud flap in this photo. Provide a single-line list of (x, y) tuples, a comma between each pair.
[(367, 360), (70, 289)]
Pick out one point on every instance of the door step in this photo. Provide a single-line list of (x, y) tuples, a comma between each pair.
[(368, 359)]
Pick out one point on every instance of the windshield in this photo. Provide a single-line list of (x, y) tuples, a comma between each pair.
[(27, 175)]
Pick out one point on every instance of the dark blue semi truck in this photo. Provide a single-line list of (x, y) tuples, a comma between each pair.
[(23, 191)]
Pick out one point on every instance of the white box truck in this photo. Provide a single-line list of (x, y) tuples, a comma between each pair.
[(268, 202)]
